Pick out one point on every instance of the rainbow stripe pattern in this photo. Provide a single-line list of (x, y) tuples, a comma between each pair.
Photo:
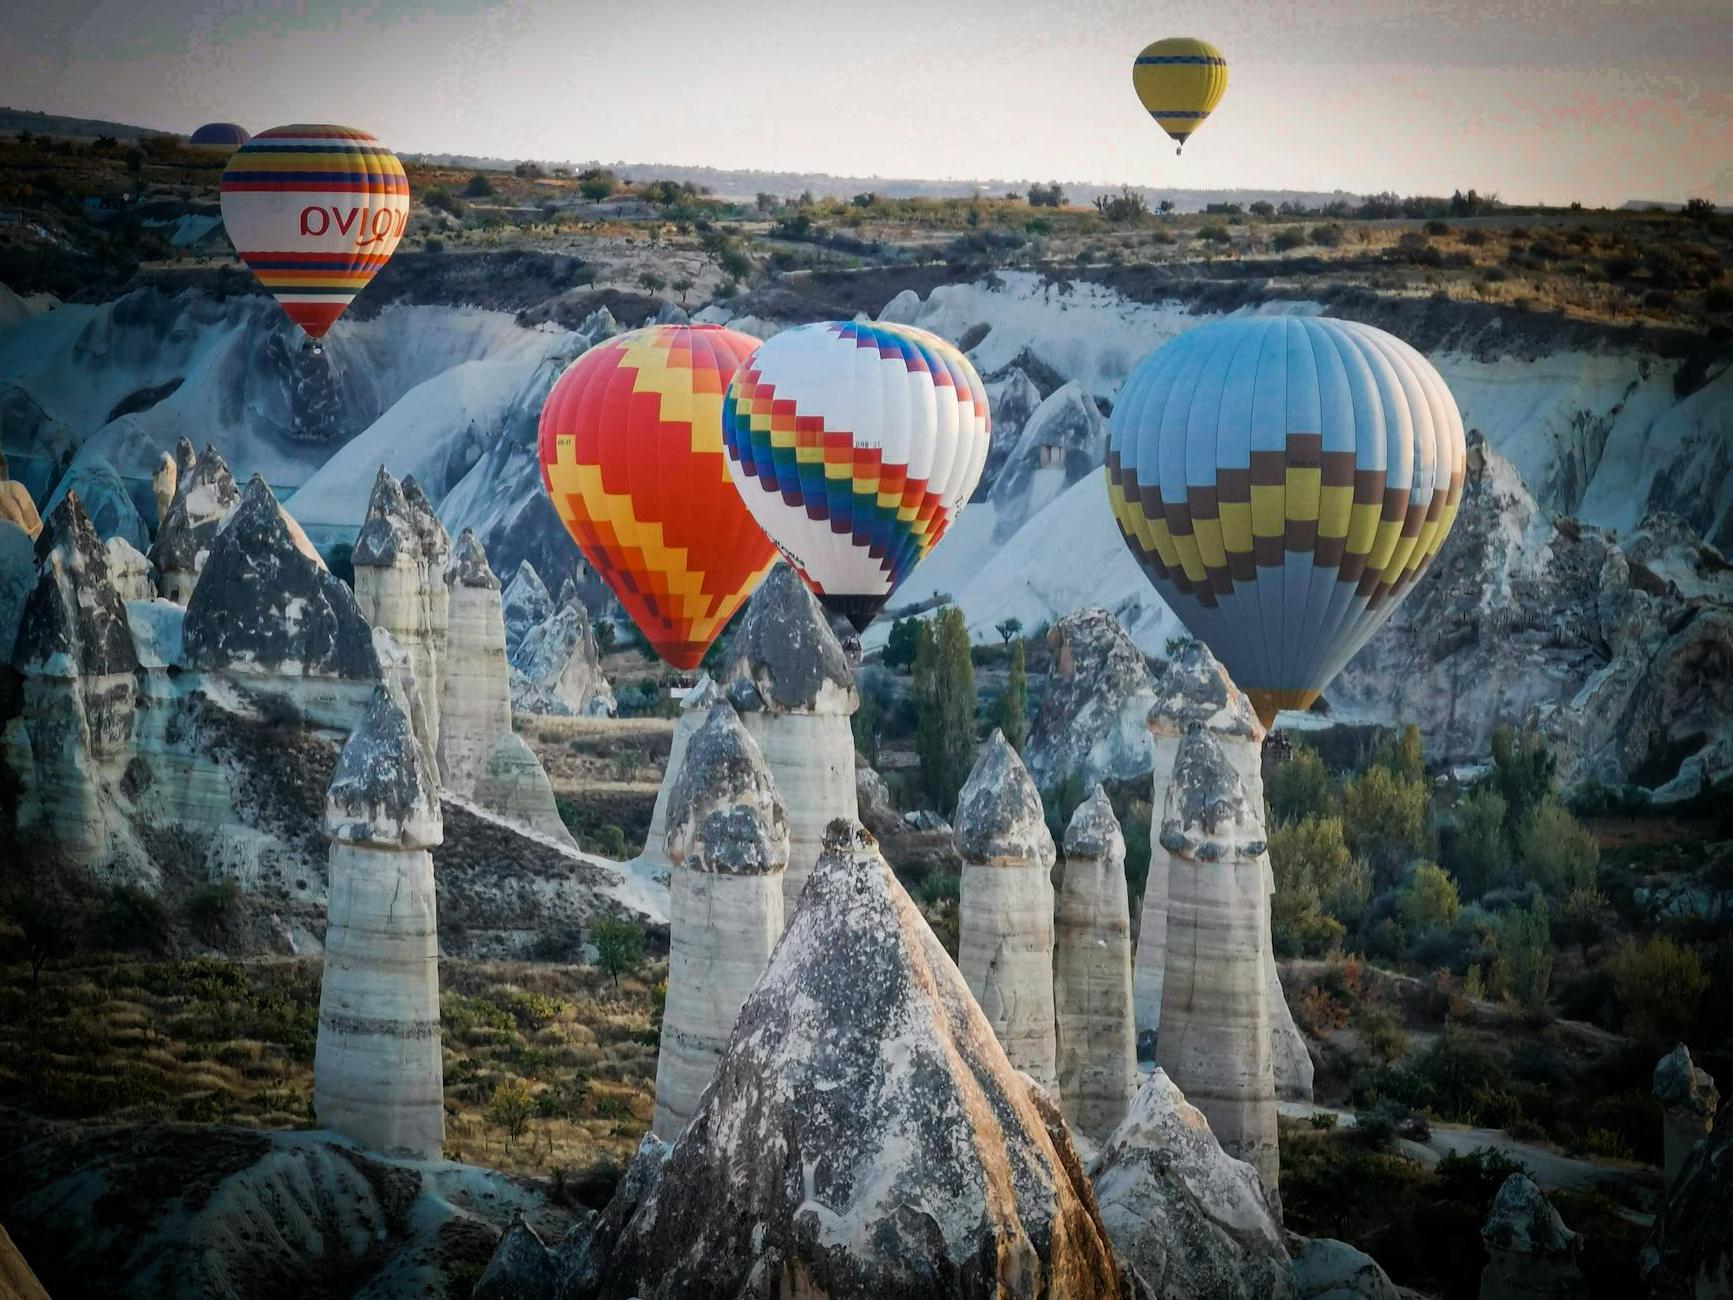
[(855, 444), (315, 211)]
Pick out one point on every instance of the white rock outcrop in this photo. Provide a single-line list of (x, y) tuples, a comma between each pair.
[(72, 739), (16, 504), (865, 1134), (128, 570), (557, 668), (1092, 722), (1215, 1029), (399, 562), (1095, 1043), (377, 1072), (1005, 910), (694, 708), (1188, 1217), (1688, 1100), (204, 492), (514, 785), (794, 688), (1531, 1255), (728, 835), (474, 682), (162, 484), (524, 603)]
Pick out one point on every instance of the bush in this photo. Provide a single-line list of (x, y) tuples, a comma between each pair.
[(1214, 233), (1385, 817), (1329, 236), (1558, 850), (132, 918), (1523, 969), (1478, 854), (479, 187), (1522, 771), (1320, 886), (1474, 1177), (1658, 985), (619, 946), (1429, 899), (1289, 237), (1047, 196), (1299, 787), (1380, 1033), (213, 906), (510, 1108)]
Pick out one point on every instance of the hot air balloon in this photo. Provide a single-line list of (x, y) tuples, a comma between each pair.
[(315, 211), (854, 445), (1283, 481), (219, 135), (631, 454), (1179, 80)]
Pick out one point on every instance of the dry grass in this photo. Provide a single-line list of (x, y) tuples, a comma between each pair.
[(212, 1040)]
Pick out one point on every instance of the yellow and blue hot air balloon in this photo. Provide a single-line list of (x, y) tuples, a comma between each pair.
[(1180, 80), (1283, 481)]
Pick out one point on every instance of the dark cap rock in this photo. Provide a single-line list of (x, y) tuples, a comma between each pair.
[(785, 649), (1197, 689), (469, 566), (382, 793), (390, 529), (999, 814), (723, 768), (74, 621), (1094, 830), (1208, 817)]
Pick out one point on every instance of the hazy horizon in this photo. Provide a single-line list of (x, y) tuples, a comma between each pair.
[(1548, 101)]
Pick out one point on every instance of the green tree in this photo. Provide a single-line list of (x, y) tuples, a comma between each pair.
[(944, 697), (1479, 855), (510, 1108), (596, 183), (1429, 899), (1385, 818), (1008, 716), (1658, 984), (1299, 787), (900, 645), (619, 946), (1008, 628), (1403, 755), (651, 282), (1523, 969), (1321, 888), (1522, 771), (478, 187), (1558, 850)]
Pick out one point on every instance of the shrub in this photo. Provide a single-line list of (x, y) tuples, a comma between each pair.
[(1478, 854), (1523, 968), (1385, 817), (1429, 899), (1320, 886), (1047, 196), (1719, 298), (1436, 227), (1289, 237), (1299, 787), (1329, 236), (213, 906), (133, 918), (1522, 771), (510, 1108), (1558, 850), (1214, 233), (1658, 985), (479, 187), (619, 946), (1380, 1033), (1474, 1177)]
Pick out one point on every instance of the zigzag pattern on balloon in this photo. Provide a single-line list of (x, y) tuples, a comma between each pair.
[(630, 445), (314, 211)]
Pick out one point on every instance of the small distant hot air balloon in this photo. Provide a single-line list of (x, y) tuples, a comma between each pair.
[(315, 211), (219, 135), (855, 445), (631, 453), (1283, 481), (1180, 80)]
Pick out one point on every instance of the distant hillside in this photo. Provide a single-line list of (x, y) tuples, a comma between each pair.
[(745, 185), (14, 120)]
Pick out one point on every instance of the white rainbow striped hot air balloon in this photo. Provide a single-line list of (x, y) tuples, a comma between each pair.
[(315, 211), (855, 445), (1283, 481)]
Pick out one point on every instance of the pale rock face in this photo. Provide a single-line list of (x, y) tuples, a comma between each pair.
[(694, 708), (794, 687), (1688, 1100), (863, 1079), (377, 1074), (1097, 1055), (1334, 1270), (204, 492), (1189, 1218), (162, 485), (1062, 441), (17, 577), (1091, 724), (728, 836), (557, 668), (525, 603), (129, 571), (17, 506), (1014, 398), (107, 503), (1530, 1251), (1215, 1028), (475, 684), (265, 614), (73, 737), (1005, 912), (1690, 1247), (514, 784), (399, 561)]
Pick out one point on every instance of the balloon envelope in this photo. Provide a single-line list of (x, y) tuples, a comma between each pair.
[(631, 453), (315, 211), (1283, 481), (219, 135), (855, 445), (1179, 81)]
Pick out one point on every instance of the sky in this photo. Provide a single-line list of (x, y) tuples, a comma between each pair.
[(1536, 100)]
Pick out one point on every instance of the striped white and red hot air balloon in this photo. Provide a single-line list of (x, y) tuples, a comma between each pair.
[(315, 211)]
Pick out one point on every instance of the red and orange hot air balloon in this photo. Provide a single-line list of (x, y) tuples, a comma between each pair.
[(631, 453)]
